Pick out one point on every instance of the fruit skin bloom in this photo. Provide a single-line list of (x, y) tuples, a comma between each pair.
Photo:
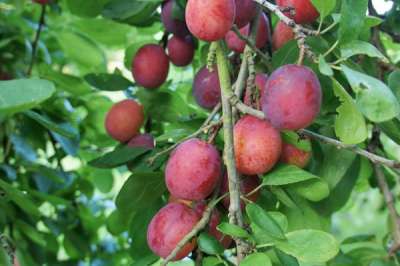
[(193, 170), (292, 97), (169, 226), (257, 145), (210, 20)]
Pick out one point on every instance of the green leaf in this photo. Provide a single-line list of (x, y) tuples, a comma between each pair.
[(139, 191), (313, 190), (108, 82), (232, 230), (353, 13), (209, 245), (310, 246), (75, 45), (288, 54), (375, 100), (23, 94), (324, 7), (392, 129), (350, 124), (62, 129), (31, 232), (4, 258), (286, 259), (88, 8), (324, 67), (357, 47), (294, 139), (118, 157), (211, 261), (259, 259), (21, 199), (264, 221), (394, 83), (116, 223)]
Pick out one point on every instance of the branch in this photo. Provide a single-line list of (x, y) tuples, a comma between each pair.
[(36, 41), (235, 212), (390, 202), (340, 145)]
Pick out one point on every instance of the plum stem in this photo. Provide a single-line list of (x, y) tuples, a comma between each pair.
[(36, 40), (235, 212)]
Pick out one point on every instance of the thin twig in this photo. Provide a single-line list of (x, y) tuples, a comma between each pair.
[(36, 41)]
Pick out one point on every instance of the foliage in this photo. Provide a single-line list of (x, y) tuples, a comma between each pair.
[(70, 195)]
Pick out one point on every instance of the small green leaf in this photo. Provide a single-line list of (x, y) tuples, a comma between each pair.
[(287, 174), (212, 261), (357, 47), (294, 139), (62, 129), (108, 82), (375, 100), (4, 258), (232, 230), (209, 245), (324, 7), (23, 94), (310, 246), (353, 13), (141, 190), (324, 68), (264, 221), (350, 124), (394, 83), (31, 232), (258, 258), (20, 198), (118, 157)]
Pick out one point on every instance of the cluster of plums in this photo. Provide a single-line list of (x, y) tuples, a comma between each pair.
[(290, 99)]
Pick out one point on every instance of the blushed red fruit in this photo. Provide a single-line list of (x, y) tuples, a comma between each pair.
[(206, 88), (257, 145), (124, 120), (168, 227), (172, 25), (282, 34), (215, 220), (142, 140), (238, 45), (292, 97), (245, 12), (247, 185), (305, 11), (150, 66), (193, 170), (181, 50), (295, 156), (260, 81), (210, 20), (42, 2)]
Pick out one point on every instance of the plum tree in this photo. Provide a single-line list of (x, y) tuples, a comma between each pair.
[(181, 50), (193, 170), (142, 140), (206, 88), (173, 25), (215, 220), (295, 156), (210, 20), (282, 34), (247, 185), (150, 66), (292, 97), (168, 227), (124, 120), (245, 12), (257, 145), (260, 82), (304, 10), (236, 44)]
